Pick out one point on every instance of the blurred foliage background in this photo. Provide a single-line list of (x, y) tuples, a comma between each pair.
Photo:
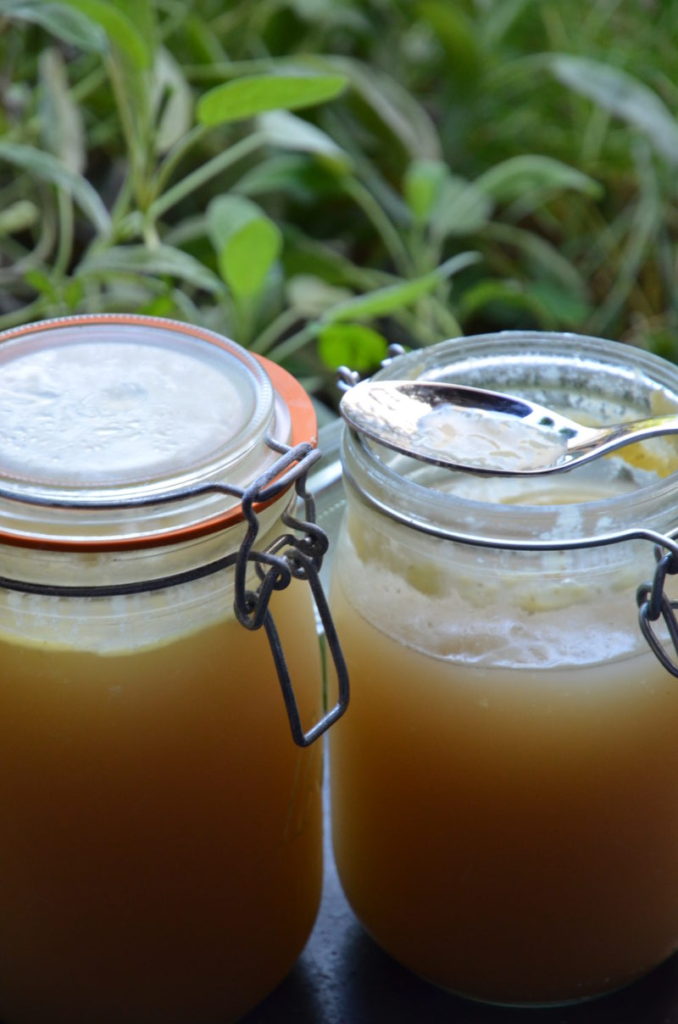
[(319, 178)]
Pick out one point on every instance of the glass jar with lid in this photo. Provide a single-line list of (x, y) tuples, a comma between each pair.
[(161, 839), (504, 790)]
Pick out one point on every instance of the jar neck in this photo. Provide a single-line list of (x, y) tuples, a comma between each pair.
[(88, 573), (589, 506), (412, 502)]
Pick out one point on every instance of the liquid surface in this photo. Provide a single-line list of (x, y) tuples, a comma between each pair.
[(160, 846)]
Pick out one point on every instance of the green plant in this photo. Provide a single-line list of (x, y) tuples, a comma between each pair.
[(143, 190), (317, 178)]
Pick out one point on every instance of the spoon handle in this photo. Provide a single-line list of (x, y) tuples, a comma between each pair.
[(608, 439)]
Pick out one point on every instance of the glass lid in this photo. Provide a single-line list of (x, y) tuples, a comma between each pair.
[(100, 415)]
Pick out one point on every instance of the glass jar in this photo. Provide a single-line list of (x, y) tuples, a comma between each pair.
[(505, 788), (161, 840)]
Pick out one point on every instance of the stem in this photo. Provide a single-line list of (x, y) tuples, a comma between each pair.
[(203, 174), (136, 155), (64, 251), (120, 207), (25, 314), (267, 338), (177, 153), (373, 211), (294, 342)]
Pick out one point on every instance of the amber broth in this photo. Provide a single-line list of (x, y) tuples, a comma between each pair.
[(508, 831), (160, 848)]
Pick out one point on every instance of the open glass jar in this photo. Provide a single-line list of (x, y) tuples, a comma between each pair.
[(161, 840), (505, 789)]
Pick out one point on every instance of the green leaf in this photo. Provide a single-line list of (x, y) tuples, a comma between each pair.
[(18, 216), (460, 208), (287, 131), (41, 283), (60, 118), (304, 255), (401, 113), (531, 173), (354, 345), (458, 37), (172, 102), (498, 19), (330, 12), (310, 296), (620, 93), (70, 26), (492, 292), (396, 296), (48, 168), (256, 94), (247, 243), (121, 30), (547, 302), (143, 15), (567, 308), (162, 261), (540, 254), (292, 174), (422, 185)]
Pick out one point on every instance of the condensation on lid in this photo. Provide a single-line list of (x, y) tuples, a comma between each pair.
[(103, 418), (108, 405)]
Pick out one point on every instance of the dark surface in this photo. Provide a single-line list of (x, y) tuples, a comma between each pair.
[(344, 978)]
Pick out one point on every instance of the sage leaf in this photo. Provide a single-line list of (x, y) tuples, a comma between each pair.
[(120, 30), (311, 296), (349, 344), (162, 261), (393, 297), (460, 208), (18, 216), (620, 93), (255, 94), (422, 185), (48, 168), (246, 241), (285, 130), (172, 102), (61, 120), (532, 173), (66, 24)]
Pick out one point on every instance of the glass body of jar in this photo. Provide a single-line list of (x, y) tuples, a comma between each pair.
[(161, 836), (160, 846), (505, 787)]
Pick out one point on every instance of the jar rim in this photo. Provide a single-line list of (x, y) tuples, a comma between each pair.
[(278, 415), (392, 484)]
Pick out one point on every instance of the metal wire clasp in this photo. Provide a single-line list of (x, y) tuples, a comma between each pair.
[(294, 555), (653, 604)]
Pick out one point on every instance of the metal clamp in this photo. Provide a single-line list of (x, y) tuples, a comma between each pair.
[(296, 555), (653, 604)]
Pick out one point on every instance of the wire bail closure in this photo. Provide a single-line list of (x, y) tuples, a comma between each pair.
[(295, 555), (654, 604)]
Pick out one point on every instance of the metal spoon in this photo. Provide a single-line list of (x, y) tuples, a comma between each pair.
[(481, 431)]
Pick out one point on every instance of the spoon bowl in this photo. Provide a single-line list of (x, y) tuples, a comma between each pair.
[(482, 431)]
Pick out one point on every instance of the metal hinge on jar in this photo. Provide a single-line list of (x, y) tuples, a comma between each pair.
[(654, 604), (295, 555)]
